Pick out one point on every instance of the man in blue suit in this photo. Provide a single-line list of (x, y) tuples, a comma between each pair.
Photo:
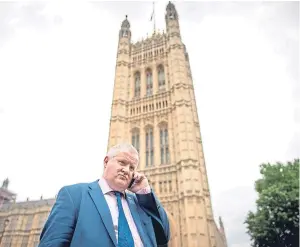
[(110, 212)]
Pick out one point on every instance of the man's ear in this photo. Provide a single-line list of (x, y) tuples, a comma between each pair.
[(105, 161)]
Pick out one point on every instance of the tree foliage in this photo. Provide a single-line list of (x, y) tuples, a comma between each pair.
[(276, 220)]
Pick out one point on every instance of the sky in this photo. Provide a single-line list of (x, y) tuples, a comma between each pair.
[(57, 62)]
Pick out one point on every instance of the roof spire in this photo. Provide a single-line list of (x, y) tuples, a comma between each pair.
[(5, 183), (125, 28), (171, 12)]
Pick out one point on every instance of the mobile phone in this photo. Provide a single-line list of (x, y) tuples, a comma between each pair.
[(131, 183)]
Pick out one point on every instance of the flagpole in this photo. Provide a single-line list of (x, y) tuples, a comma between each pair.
[(154, 17)]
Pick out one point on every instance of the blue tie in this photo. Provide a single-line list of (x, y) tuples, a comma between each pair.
[(125, 238)]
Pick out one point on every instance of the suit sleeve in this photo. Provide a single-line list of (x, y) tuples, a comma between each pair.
[(60, 225), (151, 205)]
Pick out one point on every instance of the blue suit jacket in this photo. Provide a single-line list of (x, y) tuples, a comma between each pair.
[(80, 217)]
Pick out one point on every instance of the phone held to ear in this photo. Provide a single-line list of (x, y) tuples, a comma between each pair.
[(131, 183)]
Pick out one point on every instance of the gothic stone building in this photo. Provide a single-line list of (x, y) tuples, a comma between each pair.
[(21, 222), (154, 108)]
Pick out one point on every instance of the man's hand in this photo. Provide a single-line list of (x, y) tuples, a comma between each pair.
[(140, 182)]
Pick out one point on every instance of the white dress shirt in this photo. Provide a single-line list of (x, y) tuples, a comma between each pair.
[(113, 207)]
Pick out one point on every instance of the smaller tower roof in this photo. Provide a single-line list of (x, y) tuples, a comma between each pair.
[(125, 29), (171, 6), (171, 12), (125, 23), (221, 222)]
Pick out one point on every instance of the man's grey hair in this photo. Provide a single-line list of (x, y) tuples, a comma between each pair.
[(123, 147)]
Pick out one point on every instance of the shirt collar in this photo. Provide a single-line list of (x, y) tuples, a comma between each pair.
[(106, 188)]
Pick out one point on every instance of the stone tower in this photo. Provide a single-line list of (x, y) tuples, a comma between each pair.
[(154, 108)]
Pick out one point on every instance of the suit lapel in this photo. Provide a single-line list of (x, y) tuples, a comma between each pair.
[(102, 207), (135, 216)]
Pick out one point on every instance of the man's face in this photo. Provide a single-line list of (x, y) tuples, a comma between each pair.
[(119, 170)]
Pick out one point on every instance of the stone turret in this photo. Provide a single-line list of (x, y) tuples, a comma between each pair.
[(6, 196)]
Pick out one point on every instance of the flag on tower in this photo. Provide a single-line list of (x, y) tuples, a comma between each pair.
[(152, 15)]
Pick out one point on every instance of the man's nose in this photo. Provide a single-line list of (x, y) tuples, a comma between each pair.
[(126, 169)]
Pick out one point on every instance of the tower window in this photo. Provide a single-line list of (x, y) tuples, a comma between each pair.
[(149, 147), (170, 186), (25, 241), (137, 84), (29, 222), (125, 33), (135, 139), (149, 81), (164, 146), (161, 77)]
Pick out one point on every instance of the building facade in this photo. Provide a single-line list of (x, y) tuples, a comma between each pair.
[(21, 222), (154, 108)]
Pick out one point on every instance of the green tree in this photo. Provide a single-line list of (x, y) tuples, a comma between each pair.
[(276, 220)]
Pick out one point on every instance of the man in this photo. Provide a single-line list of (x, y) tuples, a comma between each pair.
[(104, 213)]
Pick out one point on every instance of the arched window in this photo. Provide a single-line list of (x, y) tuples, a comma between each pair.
[(137, 84), (149, 147), (135, 139), (164, 146), (161, 77), (149, 82)]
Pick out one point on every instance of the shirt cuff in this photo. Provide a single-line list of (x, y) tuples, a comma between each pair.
[(145, 190)]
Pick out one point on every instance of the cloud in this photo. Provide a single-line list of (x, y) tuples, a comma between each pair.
[(8, 17), (58, 65), (239, 201), (293, 149), (280, 23), (14, 16)]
